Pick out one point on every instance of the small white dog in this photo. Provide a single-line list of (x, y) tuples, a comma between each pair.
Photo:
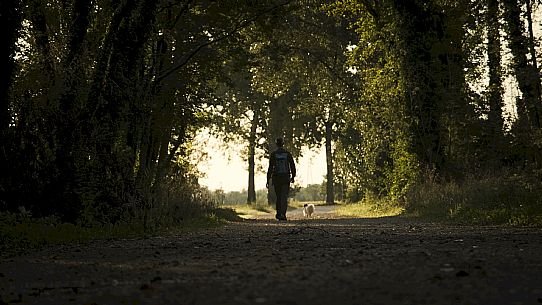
[(308, 209)]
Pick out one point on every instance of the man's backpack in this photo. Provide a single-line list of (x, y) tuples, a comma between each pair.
[(281, 163)]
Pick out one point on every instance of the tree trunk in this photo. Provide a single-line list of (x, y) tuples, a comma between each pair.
[(528, 78), (11, 19), (495, 90), (163, 158), (71, 78), (279, 125), (143, 136), (251, 196), (114, 94), (418, 22), (274, 131), (162, 116), (330, 190), (79, 26), (43, 45), (532, 51)]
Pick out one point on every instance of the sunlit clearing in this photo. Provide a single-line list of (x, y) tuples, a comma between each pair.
[(224, 167)]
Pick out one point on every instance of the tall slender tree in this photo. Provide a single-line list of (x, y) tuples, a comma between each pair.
[(495, 88), (529, 105)]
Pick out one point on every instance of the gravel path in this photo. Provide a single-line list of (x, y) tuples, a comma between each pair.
[(324, 260)]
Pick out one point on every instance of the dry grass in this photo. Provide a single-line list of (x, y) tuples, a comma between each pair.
[(367, 209), (504, 198), (254, 210)]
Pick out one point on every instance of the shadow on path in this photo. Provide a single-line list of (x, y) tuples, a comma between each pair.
[(390, 260)]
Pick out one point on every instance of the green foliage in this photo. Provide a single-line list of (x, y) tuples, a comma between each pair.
[(375, 148), (503, 197), (312, 192), (100, 102), (186, 207), (370, 207), (104, 101), (418, 62), (20, 233), (238, 197)]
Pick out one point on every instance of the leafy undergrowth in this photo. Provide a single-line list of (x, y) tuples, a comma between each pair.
[(505, 199), (20, 234)]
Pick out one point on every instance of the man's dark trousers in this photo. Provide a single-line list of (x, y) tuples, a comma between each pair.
[(281, 184)]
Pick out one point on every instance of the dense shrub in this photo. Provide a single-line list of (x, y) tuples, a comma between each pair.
[(505, 197)]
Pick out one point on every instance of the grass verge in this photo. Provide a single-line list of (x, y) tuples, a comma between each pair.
[(255, 210), (500, 199), (369, 208), (20, 234)]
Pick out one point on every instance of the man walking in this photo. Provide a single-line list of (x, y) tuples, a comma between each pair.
[(282, 171)]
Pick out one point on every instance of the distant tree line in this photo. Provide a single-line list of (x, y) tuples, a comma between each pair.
[(311, 192)]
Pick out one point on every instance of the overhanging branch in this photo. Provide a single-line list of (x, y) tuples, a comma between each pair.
[(234, 30)]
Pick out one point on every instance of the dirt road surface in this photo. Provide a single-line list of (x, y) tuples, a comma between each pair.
[(325, 260)]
